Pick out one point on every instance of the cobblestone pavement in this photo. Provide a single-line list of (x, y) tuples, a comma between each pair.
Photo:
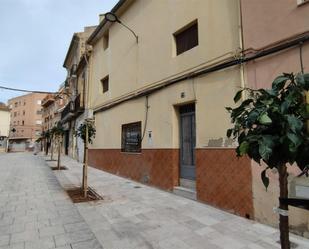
[(35, 212)]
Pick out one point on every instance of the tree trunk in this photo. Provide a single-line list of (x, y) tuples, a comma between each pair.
[(283, 220), (59, 152), (52, 149), (85, 166), (46, 146)]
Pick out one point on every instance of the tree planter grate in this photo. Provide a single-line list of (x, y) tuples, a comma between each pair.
[(61, 168), (77, 195)]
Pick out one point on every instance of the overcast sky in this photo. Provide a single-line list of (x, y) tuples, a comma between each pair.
[(34, 38)]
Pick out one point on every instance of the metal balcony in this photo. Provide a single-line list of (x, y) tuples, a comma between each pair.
[(73, 109), (68, 112)]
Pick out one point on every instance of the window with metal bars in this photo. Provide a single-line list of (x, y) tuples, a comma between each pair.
[(131, 137), (186, 38)]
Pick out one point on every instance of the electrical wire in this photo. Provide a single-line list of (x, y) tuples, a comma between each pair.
[(146, 117), (23, 90), (301, 57)]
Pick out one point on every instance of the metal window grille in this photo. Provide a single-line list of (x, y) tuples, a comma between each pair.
[(131, 137)]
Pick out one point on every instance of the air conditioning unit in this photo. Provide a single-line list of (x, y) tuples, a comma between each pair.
[(300, 2)]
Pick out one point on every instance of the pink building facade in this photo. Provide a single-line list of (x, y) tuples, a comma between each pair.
[(274, 24)]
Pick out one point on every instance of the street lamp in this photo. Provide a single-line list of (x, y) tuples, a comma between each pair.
[(111, 17)]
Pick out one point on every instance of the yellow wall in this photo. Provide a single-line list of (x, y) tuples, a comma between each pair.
[(4, 123), (134, 66), (211, 93), (131, 66)]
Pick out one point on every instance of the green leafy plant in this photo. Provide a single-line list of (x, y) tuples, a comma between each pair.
[(81, 132), (57, 131), (270, 126)]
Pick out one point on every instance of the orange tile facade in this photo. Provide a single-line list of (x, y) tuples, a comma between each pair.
[(158, 167), (225, 181), (222, 179)]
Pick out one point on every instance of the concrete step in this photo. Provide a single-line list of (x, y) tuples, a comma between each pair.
[(185, 183), (185, 192)]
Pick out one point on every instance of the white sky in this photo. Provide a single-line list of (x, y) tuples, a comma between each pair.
[(35, 36)]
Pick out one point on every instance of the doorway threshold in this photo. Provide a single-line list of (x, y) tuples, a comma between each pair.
[(186, 188)]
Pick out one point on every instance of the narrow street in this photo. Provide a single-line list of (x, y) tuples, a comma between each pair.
[(35, 212)]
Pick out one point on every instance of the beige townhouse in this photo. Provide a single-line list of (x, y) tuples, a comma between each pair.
[(284, 33), (75, 88), (158, 93)]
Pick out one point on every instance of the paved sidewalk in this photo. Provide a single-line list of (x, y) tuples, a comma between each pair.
[(35, 212), (135, 216)]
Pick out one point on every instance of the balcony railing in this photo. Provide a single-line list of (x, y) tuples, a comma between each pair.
[(68, 111), (73, 109), (79, 104)]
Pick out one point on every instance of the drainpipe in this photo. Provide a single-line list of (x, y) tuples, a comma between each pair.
[(87, 87), (241, 41)]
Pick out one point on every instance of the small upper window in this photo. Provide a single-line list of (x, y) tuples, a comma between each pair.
[(131, 137), (105, 84), (186, 38)]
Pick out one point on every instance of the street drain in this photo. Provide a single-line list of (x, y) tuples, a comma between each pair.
[(137, 186)]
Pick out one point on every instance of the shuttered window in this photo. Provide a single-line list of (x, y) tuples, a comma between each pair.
[(105, 84), (131, 137), (187, 38)]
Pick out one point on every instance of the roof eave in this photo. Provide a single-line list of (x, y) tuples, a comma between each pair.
[(93, 37), (70, 49)]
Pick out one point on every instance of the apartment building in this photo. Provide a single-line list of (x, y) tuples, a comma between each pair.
[(76, 62), (52, 106), (159, 112), (283, 29), (26, 121), (4, 126)]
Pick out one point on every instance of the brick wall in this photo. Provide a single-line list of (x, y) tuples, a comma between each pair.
[(225, 181), (158, 167), (222, 179)]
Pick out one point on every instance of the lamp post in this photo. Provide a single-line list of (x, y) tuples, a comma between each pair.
[(111, 17)]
